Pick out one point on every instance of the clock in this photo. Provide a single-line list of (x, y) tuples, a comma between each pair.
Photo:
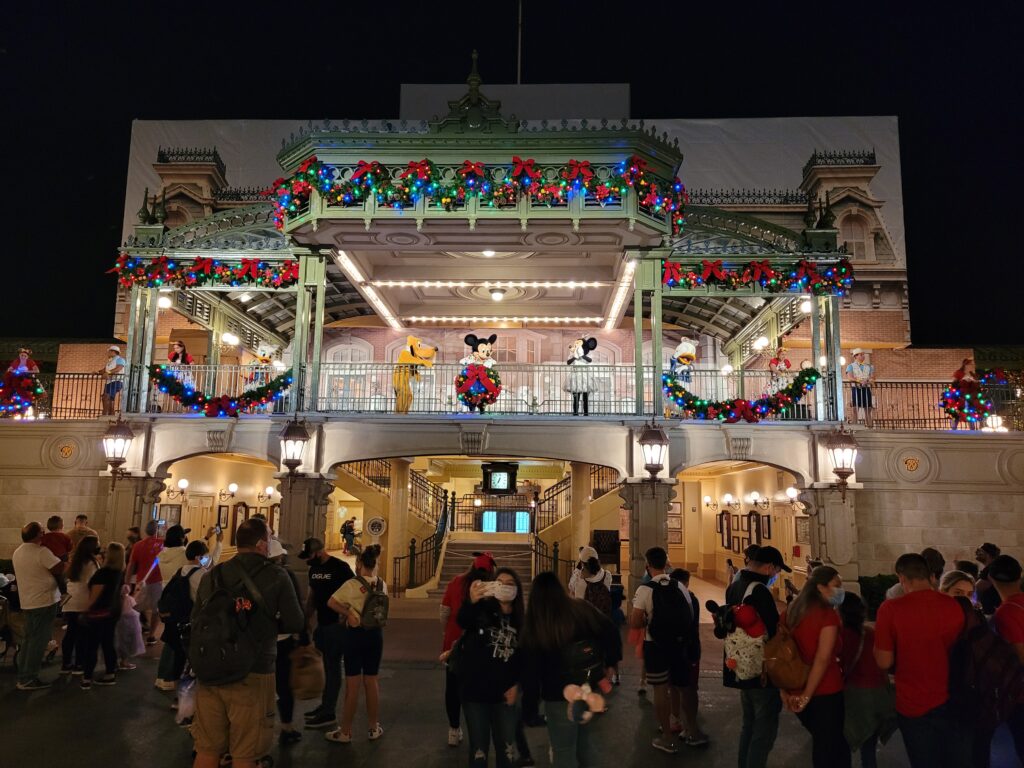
[(499, 478)]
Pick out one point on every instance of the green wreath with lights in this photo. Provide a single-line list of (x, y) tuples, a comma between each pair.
[(219, 405), (732, 411)]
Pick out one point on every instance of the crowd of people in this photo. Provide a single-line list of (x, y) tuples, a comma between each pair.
[(230, 632)]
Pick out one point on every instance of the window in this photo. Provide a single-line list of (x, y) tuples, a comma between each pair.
[(504, 349), (853, 231), (532, 351)]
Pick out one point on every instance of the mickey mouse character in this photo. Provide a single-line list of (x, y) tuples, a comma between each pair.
[(580, 382), (478, 384)]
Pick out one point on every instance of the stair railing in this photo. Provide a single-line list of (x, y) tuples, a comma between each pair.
[(374, 472)]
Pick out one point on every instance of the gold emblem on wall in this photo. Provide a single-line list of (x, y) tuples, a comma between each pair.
[(911, 463), (66, 450)]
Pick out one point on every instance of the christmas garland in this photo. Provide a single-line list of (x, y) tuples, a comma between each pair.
[(421, 179), (804, 277), (172, 273), (18, 393), (222, 405), (972, 407), (477, 385), (731, 411)]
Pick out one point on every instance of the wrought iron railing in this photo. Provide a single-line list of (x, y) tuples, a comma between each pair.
[(73, 396), (915, 405), (484, 512), (602, 480), (840, 157), (526, 389), (190, 155), (419, 566), (427, 500), (547, 558), (373, 472), (713, 385), (217, 380), (747, 197), (554, 504)]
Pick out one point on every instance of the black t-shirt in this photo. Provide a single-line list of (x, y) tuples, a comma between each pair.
[(490, 658), (325, 578), (110, 597)]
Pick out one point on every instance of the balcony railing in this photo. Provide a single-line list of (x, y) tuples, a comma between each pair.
[(217, 380), (915, 405)]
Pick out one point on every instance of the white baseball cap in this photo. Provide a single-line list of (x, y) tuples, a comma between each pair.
[(114, 348), (276, 549), (856, 351)]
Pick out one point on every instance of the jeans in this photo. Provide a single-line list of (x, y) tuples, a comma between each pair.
[(38, 631), (101, 635), (761, 707), (570, 743), (452, 701), (823, 718), (283, 680), (936, 739), (330, 641), (72, 648), (484, 721)]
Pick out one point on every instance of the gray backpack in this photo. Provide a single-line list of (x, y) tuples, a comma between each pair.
[(375, 609)]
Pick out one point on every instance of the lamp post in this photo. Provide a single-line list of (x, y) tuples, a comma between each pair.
[(842, 453), (654, 443), (294, 439), (117, 441)]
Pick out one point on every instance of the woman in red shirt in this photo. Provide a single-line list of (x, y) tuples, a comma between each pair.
[(870, 704), (814, 624)]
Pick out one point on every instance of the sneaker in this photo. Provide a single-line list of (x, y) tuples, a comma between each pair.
[(454, 737), (77, 671), (312, 713), (615, 679), (700, 740), (665, 745), (126, 666), (288, 737), (35, 684), (151, 641), (375, 733), (186, 722), (165, 685), (65, 670), (85, 683), (321, 721), (105, 680), (338, 736)]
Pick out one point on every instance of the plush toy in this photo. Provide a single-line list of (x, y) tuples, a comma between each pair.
[(682, 360), (415, 354), (580, 382), (778, 370), (478, 385)]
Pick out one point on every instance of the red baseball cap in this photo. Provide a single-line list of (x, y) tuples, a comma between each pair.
[(484, 561)]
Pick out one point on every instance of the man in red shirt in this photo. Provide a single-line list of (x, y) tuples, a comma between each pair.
[(142, 570), (916, 632), (1005, 575), (454, 594), (56, 540)]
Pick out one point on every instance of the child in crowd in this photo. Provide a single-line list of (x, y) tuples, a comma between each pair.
[(128, 635)]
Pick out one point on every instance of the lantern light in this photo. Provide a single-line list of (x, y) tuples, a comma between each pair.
[(654, 443), (842, 453)]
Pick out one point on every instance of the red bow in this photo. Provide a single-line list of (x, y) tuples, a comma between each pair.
[(712, 269), (741, 410), (120, 264), (525, 168), (578, 168), (475, 373), (671, 273), (363, 167), (805, 268), (758, 268), (420, 170), (474, 168), (250, 268), (215, 405), (304, 166), (289, 272), (202, 264), (635, 165)]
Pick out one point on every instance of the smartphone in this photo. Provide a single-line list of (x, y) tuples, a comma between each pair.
[(216, 529)]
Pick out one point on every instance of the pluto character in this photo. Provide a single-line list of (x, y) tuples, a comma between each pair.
[(580, 382), (415, 355)]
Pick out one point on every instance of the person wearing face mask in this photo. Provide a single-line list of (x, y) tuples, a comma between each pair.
[(760, 702), (489, 661), (814, 623)]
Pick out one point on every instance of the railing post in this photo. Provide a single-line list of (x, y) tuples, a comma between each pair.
[(412, 562), (554, 557)]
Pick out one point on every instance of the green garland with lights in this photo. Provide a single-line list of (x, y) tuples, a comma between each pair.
[(175, 273), (18, 393), (732, 411), (220, 405), (821, 279), (521, 179)]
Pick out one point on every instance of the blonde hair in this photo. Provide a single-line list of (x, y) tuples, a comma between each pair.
[(114, 558), (953, 578)]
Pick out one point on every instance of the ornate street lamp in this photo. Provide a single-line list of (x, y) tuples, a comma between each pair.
[(842, 453), (117, 441), (654, 443), (293, 446)]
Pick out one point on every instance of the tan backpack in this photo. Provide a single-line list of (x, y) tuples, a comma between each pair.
[(782, 662)]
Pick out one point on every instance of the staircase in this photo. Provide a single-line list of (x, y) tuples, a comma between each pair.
[(508, 554)]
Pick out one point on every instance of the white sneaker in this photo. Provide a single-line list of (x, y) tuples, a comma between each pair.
[(339, 736), (375, 733), (454, 737)]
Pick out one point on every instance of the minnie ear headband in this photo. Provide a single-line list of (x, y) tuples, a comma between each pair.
[(26, 350)]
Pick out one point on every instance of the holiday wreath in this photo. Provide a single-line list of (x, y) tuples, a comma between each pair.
[(18, 393)]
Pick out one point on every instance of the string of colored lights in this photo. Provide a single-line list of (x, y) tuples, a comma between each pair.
[(732, 411), (219, 405)]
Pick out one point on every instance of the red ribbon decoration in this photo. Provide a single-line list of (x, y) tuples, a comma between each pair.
[(741, 410), (470, 167), (578, 168), (202, 264), (805, 268), (304, 166), (475, 373), (759, 268), (249, 267), (119, 265), (671, 273), (290, 271), (363, 167), (522, 167), (420, 170), (712, 269)]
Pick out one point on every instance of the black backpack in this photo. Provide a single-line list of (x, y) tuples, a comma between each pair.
[(175, 606), (583, 662), (222, 647), (599, 596), (986, 678), (670, 621)]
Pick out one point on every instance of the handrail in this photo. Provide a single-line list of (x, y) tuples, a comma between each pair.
[(603, 480), (427, 500), (374, 472), (420, 564), (546, 558)]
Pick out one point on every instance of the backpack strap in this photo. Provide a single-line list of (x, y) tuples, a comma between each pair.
[(375, 587), (250, 585)]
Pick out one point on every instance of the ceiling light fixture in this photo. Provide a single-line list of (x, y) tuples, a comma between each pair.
[(625, 281), (229, 339), (464, 319), (164, 302), (805, 306), (497, 294), (356, 277)]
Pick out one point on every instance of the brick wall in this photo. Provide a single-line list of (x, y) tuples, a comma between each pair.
[(83, 358)]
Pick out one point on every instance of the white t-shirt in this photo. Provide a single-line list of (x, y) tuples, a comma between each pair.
[(644, 598), (37, 587), (578, 583), (113, 363), (78, 591), (860, 372)]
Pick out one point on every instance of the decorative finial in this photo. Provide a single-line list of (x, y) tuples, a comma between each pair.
[(143, 212), (809, 217), (473, 81), (160, 212)]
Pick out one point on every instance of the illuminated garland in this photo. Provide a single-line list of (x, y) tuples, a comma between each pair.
[(173, 273), (478, 386), (221, 405), (731, 411), (972, 407), (804, 277), (421, 179), (18, 393)]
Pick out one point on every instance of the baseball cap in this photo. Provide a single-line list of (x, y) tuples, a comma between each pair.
[(484, 561), (856, 351), (771, 556), (310, 547), (114, 348), (175, 536), (1005, 569), (276, 549), (588, 552)]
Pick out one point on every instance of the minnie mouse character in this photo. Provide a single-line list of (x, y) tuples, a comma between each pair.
[(778, 370), (580, 382), (478, 385), (23, 363)]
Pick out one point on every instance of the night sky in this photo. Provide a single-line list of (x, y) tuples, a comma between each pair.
[(73, 78)]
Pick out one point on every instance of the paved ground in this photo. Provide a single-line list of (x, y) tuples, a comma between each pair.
[(131, 724)]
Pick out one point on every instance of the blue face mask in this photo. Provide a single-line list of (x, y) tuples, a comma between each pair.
[(773, 579), (838, 595)]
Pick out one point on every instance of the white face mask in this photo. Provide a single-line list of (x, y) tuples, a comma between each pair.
[(505, 593)]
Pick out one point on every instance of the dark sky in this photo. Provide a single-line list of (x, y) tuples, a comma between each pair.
[(74, 75)]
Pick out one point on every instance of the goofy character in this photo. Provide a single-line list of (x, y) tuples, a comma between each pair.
[(580, 382), (415, 354)]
